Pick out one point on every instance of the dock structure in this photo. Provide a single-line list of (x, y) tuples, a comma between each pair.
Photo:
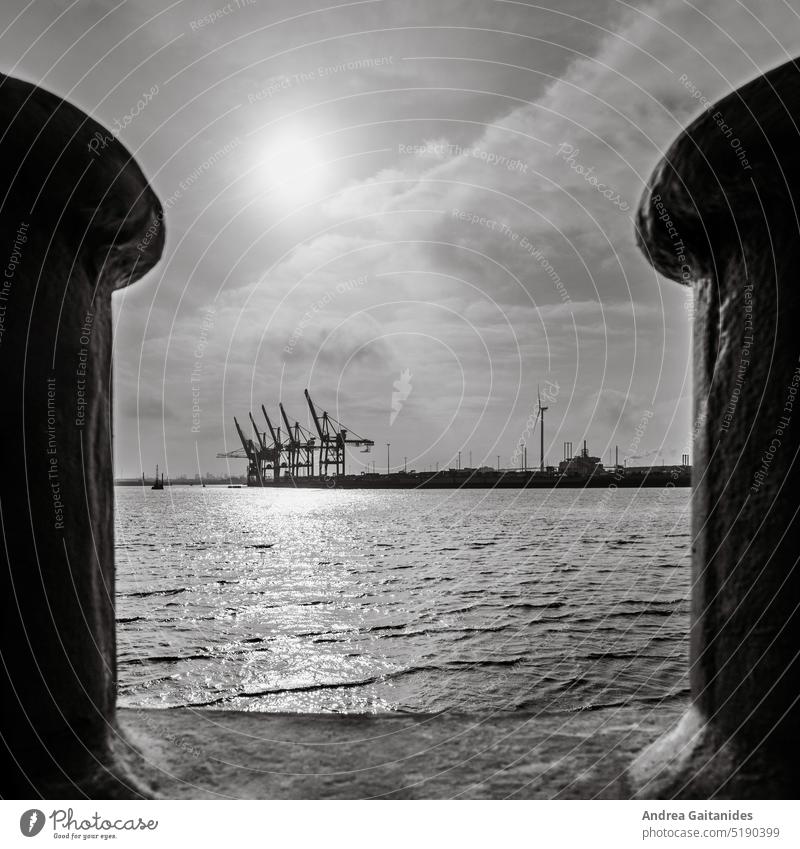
[(295, 454)]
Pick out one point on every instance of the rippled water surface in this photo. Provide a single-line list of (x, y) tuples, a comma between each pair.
[(355, 601)]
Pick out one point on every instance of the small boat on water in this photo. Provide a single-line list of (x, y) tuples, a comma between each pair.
[(158, 483)]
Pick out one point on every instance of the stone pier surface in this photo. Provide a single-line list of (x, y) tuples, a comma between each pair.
[(728, 224), (225, 754)]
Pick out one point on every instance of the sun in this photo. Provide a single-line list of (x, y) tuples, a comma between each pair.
[(292, 169)]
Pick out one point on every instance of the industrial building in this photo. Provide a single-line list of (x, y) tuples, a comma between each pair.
[(583, 465), (287, 453)]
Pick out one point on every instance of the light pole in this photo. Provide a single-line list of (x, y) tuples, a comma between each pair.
[(405, 464), (388, 446), (459, 461), (498, 462)]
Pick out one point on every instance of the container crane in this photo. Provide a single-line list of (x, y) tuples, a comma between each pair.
[(236, 454), (254, 476), (275, 433), (301, 446), (333, 440), (260, 456), (261, 438)]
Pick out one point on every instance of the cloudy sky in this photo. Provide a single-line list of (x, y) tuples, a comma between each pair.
[(426, 200)]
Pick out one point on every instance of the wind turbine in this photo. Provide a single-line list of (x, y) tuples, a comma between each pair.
[(542, 411)]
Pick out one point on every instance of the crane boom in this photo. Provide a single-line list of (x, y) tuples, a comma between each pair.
[(275, 437), (262, 443), (286, 422), (241, 435), (253, 459), (314, 415), (237, 453)]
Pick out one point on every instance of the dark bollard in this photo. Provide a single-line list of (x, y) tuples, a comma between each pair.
[(722, 214), (78, 221)]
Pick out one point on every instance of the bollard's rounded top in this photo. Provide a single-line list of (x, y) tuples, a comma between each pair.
[(70, 178), (733, 168)]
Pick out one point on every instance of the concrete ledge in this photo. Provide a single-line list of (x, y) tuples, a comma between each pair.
[(206, 754)]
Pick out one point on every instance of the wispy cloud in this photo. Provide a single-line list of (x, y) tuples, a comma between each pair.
[(491, 260)]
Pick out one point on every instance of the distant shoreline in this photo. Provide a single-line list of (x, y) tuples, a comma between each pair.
[(657, 476)]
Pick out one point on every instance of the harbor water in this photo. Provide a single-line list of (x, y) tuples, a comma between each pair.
[(366, 601)]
